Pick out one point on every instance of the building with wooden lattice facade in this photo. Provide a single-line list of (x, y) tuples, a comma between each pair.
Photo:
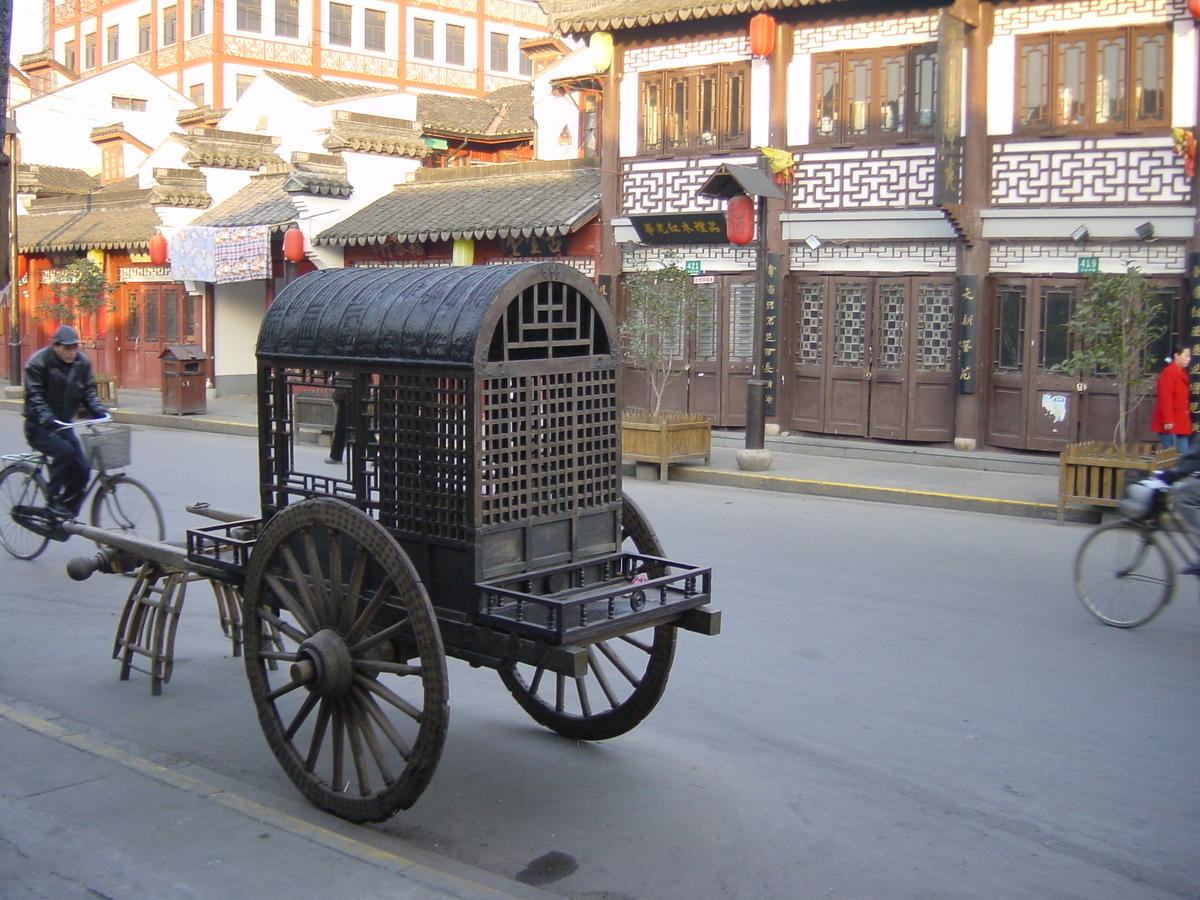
[(957, 170)]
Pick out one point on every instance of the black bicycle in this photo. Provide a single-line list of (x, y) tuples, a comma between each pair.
[(1124, 571), (119, 503)]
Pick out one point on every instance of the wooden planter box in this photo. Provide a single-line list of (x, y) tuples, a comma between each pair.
[(1096, 472), (665, 439)]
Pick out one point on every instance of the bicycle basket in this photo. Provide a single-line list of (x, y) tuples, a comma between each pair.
[(1142, 500), (107, 445)]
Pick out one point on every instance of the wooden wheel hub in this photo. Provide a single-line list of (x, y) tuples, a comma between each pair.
[(323, 664)]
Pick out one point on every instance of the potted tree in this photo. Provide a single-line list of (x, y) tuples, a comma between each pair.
[(1113, 327), (663, 306)]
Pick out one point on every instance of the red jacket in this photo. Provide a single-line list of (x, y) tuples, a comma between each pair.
[(1171, 402)]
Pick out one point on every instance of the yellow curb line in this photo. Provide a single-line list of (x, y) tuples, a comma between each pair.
[(252, 810), (900, 492)]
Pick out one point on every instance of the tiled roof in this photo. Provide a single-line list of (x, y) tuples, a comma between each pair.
[(228, 149), (582, 16), (527, 199), (42, 180), (318, 90), (180, 187), (262, 202), (319, 174), (105, 221), (507, 112), (375, 134)]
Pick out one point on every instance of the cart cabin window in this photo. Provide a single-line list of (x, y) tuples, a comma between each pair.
[(1116, 80), (886, 95), (702, 110)]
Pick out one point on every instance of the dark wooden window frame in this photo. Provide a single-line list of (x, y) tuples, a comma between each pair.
[(170, 25), (112, 41), (852, 102), (1044, 76), (695, 111)]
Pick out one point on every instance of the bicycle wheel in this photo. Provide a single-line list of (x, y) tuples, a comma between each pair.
[(1123, 575), (125, 504), (21, 486)]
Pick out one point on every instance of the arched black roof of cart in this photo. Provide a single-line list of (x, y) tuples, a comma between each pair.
[(409, 315)]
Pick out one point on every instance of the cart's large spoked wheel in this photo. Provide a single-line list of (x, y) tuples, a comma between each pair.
[(625, 676), (345, 660)]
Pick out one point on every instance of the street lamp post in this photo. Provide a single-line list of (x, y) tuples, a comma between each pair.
[(726, 182)]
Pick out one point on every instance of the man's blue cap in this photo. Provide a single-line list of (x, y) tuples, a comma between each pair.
[(65, 334)]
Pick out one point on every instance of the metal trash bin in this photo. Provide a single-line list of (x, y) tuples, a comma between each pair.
[(184, 378)]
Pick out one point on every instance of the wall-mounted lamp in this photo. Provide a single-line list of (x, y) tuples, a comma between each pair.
[(1080, 234), (1145, 231), (813, 242)]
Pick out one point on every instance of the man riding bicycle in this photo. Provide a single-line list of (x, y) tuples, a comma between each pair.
[(58, 383)]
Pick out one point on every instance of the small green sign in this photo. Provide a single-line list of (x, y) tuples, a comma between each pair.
[(1089, 265), (691, 266)]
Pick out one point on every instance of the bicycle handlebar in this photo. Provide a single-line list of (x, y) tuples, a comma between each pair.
[(61, 425)]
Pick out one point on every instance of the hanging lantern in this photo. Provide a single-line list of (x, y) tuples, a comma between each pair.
[(1194, 9), (762, 34), (159, 250), (463, 253), (739, 219), (22, 266), (600, 50), (293, 244)]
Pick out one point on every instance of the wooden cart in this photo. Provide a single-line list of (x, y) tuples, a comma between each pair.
[(471, 508)]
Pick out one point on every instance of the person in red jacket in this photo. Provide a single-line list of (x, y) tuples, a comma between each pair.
[(1172, 419)]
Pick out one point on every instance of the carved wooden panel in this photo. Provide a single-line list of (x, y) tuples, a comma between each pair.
[(1088, 171), (677, 54), (879, 178), (1031, 17), (876, 256), (866, 32), (670, 186)]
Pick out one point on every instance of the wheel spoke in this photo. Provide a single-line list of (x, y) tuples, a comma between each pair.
[(630, 639), (338, 750), (317, 581), (368, 613), (353, 591), (385, 725), (354, 733), (301, 580), (318, 735), (386, 635), (365, 719), (278, 655), (618, 663), (286, 627), (585, 705), (602, 679), (285, 689), (388, 696), (301, 715), (291, 604)]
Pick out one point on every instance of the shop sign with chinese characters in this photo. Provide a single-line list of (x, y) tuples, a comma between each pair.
[(687, 228), (770, 325)]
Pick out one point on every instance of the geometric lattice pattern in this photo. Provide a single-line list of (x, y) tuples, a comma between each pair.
[(891, 330), (549, 444), (935, 326), (849, 324), (549, 320), (1090, 171), (811, 319), (869, 179)]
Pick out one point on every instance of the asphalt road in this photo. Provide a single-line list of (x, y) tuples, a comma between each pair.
[(905, 703)]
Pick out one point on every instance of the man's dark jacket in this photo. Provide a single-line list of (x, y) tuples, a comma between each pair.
[(55, 390)]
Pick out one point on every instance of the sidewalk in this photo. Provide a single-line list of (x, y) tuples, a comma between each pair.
[(1013, 483)]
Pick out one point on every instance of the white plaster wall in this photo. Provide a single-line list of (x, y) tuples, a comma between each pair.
[(237, 312), (1185, 76), (55, 128)]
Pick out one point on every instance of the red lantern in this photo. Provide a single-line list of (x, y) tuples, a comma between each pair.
[(739, 219), (1194, 9), (762, 34), (159, 250), (293, 244)]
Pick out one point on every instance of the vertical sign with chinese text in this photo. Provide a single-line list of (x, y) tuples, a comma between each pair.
[(773, 287), (1193, 341), (968, 332)]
